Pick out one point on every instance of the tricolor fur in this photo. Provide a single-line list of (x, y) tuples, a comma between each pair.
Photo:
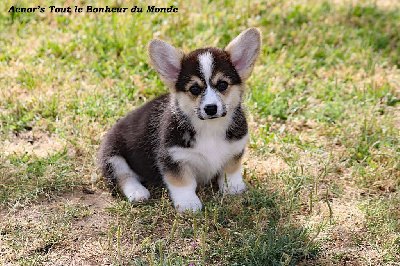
[(196, 132)]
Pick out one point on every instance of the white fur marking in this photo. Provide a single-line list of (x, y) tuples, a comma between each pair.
[(232, 183), (135, 191), (128, 180), (185, 198), (211, 97), (211, 150), (206, 62)]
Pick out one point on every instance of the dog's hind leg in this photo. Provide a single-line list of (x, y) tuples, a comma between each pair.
[(127, 180)]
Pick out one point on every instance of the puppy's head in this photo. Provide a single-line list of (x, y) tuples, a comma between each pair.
[(207, 83)]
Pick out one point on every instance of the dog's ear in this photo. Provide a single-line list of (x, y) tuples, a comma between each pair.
[(244, 50), (166, 59)]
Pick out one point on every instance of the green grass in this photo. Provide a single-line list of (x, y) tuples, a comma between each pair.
[(322, 166)]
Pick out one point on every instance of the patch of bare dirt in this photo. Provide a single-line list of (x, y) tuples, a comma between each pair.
[(69, 227), (32, 143), (270, 166)]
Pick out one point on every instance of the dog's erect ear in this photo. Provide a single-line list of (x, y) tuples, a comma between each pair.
[(166, 59), (244, 50)]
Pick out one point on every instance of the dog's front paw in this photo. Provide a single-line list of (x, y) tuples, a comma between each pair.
[(188, 205), (138, 193), (182, 190), (233, 187), (232, 183)]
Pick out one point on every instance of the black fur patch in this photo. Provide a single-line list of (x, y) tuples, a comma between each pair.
[(180, 131), (238, 127), (169, 165), (191, 66)]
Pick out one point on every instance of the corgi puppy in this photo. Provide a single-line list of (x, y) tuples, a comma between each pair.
[(194, 133)]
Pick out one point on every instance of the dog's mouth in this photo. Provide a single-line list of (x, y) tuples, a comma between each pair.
[(211, 117)]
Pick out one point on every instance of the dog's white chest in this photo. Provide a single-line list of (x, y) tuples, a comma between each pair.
[(209, 154)]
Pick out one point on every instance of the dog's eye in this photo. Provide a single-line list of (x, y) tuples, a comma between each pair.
[(195, 90), (222, 85)]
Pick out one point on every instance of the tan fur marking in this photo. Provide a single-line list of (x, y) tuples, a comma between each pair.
[(232, 166), (194, 80), (220, 76), (176, 180)]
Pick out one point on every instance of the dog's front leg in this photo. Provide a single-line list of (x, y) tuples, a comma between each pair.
[(230, 180), (182, 188)]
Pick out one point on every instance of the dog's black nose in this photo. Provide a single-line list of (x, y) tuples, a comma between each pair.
[(210, 109)]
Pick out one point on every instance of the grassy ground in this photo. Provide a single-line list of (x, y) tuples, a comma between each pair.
[(323, 164)]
